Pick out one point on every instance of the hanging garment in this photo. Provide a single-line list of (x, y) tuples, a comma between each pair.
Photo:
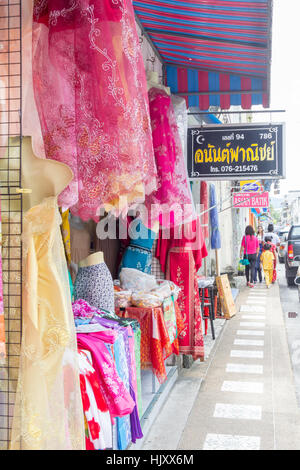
[(66, 235), (94, 284), (99, 427), (2, 326), (215, 241), (95, 118), (173, 195), (138, 254), (125, 364), (181, 117), (204, 208), (48, 412), (117, 397), (180, 258)]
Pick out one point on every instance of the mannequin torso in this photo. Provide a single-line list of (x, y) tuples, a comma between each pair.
[(44, 177), (153, 82), (91, 260)]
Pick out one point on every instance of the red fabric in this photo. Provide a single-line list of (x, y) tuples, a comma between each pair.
[(188, 236), (155, 341), (204, 207), (181, 270)]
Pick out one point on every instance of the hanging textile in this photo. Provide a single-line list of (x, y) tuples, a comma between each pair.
[(2, 326), (204, 208), (91, 94), (180, 257), (215, 241), (48, 410), (172, 203), (66, 234), (97, 417)]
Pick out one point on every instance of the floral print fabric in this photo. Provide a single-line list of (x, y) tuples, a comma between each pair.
[(97, 417)]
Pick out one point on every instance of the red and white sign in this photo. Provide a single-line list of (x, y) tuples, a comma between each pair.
[(251, 200)]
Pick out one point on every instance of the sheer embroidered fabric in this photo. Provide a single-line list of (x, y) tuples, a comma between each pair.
[(48, 413), (173, 194), (97, 119)]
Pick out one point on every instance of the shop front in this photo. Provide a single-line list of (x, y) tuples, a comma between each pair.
[(104, 244)]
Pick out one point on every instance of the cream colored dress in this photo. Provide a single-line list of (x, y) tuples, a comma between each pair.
[(48, 412)]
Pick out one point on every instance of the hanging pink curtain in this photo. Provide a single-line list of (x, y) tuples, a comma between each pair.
[(204, 207), (173, 194), (91, 95)]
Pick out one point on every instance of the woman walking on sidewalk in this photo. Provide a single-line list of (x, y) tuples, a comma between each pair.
[(249, 250)]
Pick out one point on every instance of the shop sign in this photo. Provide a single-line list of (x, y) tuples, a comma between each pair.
[(250, 200), (236, 152), (251, 186)]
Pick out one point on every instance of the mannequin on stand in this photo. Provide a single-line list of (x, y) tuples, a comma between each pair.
[(153, 82), (42, 177), (48, 368)]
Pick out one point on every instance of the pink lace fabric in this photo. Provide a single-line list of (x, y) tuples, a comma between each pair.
[(173, 194), (91, 95)]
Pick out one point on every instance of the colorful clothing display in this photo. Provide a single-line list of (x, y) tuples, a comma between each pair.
[(180, 258), (155, 341), (97, 119), (91, 321), (48, 411), (117, 397), (172, 202), (97, 417), (138, 254), (95, 285)]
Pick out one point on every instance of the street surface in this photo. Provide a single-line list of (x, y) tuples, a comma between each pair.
[(291, 310), (246, 395)]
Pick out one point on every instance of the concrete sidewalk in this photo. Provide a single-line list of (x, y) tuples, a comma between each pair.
[(243, 397)]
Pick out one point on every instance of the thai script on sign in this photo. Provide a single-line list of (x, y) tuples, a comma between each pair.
[(253, 153)]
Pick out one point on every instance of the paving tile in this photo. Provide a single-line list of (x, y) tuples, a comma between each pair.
[(252, 308), (250, 332), (229, 411), (249, 354), (231, 442), (242, 387), (249, 342), (254, 317), (252, 323), (244, 368)]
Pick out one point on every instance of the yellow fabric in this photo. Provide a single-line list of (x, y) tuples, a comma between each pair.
[(267, 259), (66, 234), (48, 413), (268, 276)]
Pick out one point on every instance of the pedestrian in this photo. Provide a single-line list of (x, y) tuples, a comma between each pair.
[(273, 249), (267, 259), (274, 237), (260, 233), (258, 270), (249, 250)]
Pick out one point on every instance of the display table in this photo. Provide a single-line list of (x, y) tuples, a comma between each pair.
[(156, 345)]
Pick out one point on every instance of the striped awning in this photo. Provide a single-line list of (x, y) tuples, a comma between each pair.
[(216, 52)]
